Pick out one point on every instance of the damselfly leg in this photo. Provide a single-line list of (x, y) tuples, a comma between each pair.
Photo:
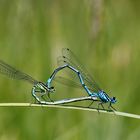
[(110, 107)]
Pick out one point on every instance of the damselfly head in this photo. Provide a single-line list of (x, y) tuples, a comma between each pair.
[(113, 100), (52, 89)]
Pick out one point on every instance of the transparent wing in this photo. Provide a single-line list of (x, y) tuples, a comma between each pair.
[(68, 57), (68, 82), (11, 72)]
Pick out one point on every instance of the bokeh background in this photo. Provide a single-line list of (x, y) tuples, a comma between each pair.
[(105, 37)]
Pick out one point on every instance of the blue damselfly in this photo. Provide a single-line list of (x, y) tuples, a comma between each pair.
[(70, 61)]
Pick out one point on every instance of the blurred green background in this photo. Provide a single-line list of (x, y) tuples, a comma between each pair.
[(105, 37)]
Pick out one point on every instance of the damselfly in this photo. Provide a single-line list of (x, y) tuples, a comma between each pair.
[(38, 87), (69, 60)]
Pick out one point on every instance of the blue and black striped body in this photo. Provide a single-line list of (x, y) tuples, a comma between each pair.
[(104, 97)]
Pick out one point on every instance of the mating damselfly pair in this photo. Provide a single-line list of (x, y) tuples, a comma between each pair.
[(67, 60)]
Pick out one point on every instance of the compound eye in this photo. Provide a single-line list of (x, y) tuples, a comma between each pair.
[(114, 98)]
